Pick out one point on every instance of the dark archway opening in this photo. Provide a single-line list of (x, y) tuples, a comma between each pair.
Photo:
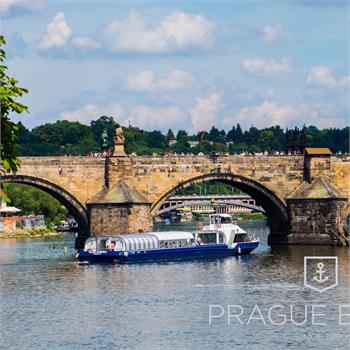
[(74, 207), (275, 208)]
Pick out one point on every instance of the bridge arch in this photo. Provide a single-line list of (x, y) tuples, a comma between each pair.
[(275, 208), (203, 202), (75, 208)]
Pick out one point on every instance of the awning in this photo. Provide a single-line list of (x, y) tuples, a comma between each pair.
[(138, 241), (10, 210)]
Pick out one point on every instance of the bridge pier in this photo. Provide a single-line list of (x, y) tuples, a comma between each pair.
[(315, 215), (118, 210)]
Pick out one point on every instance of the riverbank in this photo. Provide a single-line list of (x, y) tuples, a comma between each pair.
[(249, 216), (238, 216), (20, 233)]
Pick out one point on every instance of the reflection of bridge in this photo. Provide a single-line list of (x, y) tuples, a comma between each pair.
[(233, 203), (307, 198)]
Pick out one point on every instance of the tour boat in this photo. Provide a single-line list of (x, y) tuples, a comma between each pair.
[(221, 238)]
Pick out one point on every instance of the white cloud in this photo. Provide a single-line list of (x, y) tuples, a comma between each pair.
[(146, 81), (271, 34), (270, 93), (6, 6), (175, 80), (204, 113), (322, 76), (57, 33), (84, 42), (271, 113), (263, 66), (175, 31), (267, 113), (142, 81), (155, 118), (92, 111), (140, 116)]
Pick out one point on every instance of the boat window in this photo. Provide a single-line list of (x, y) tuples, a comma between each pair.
[(116, 245), (225, 220), (101, 245), (214, 219), (176, 244), (208, 238), (90, 244), (241, 237)]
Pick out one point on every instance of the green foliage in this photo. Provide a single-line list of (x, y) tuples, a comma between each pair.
[(101, 125), (156, 139), (73, 138), (170, 135), (33, 201), (60, 138), (208, 188), (9, 92), (217, 136), (182, 136), (140, 141)]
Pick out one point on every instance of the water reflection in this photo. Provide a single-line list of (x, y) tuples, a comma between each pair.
[(49, 301)]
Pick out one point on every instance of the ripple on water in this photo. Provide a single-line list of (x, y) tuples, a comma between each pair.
[(49, 301)]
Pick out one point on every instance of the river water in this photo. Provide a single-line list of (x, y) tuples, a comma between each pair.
[(50, 301)]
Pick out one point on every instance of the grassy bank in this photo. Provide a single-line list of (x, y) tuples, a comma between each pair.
[(250, 216), (39, 232)]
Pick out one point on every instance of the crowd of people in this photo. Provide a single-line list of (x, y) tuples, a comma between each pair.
[(105, 153), (109, 153)]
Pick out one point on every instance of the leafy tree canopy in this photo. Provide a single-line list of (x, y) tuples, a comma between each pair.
[(73, 138), (9, 93)]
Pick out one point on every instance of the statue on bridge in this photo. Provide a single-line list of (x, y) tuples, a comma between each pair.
[(119, 141)]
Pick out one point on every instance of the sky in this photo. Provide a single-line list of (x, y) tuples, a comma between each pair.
[(181, 64)]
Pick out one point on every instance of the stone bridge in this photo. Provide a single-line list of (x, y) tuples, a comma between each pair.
[(209, 203), (306, 198)]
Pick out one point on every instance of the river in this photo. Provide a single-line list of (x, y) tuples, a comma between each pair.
[(50, 301)]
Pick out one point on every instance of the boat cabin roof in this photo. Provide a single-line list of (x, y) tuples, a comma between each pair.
[(172, 235), (221, 215), (139, 241)]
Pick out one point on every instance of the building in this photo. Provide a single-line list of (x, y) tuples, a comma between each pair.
[(172, 142)]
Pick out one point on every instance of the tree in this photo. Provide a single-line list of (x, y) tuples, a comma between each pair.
[(62, 137), (9, 92), (170, 135), (101, 125), (34, 201), (216, 136), (231, 135), (182, 136), (239, 133), (156, 139)]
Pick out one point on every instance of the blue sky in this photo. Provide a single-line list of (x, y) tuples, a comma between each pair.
[(184, 64)]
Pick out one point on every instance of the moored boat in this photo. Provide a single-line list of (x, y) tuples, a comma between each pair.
[(210, 242)]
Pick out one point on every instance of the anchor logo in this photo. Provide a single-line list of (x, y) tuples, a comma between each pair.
[(320, 272)]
